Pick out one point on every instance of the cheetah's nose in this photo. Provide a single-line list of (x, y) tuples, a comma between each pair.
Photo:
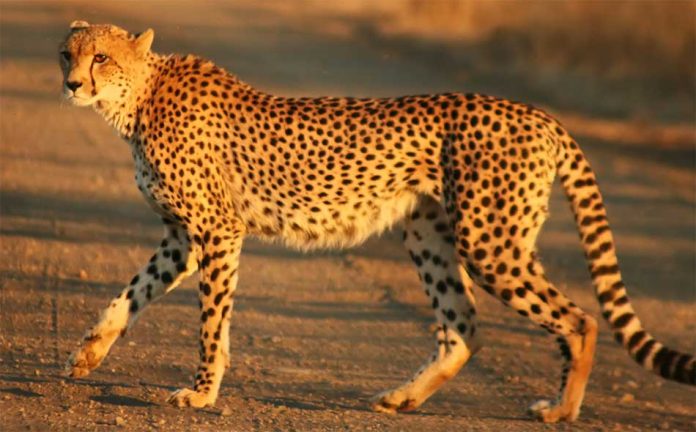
[(73, 85)]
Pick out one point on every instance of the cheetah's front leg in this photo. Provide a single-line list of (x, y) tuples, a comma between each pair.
[(170, 264), (218, 272)]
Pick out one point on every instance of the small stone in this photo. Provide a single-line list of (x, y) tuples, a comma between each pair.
[(632, 384), (83, 274), (627, 397), (665, 425), (131, 343), (119, 421), (226, 412)]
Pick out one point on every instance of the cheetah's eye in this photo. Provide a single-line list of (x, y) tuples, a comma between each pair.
[(100, 58), (66, 55)]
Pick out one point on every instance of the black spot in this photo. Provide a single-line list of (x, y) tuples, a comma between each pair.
[(166, 277), (214, 275), (461, 327), (218, 298), (501, 269)]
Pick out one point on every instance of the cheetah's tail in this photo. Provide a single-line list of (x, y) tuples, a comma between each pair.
[(581, 189)]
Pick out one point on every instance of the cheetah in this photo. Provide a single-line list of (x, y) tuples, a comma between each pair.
[(469, 175)]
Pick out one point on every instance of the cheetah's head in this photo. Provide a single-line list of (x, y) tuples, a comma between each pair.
[(102, 62)]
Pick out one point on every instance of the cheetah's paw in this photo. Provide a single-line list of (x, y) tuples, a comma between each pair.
[(191, 398), (86, 358), (392, 401), (550, 412)]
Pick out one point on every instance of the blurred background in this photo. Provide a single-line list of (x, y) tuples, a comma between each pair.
[(620, 59), (73, 227)]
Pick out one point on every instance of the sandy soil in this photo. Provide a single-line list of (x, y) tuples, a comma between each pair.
[(314, 336)]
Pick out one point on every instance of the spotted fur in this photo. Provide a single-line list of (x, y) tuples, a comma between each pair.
[(470, 174)]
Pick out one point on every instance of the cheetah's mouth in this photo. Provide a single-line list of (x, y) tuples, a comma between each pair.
[(79, 100)]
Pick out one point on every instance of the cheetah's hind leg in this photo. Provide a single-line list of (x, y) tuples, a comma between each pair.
[(508, 269)]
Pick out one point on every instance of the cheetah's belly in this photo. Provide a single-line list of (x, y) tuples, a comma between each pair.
[(335, 226)]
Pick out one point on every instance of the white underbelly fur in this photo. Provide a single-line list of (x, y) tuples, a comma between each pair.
[(349, 228)]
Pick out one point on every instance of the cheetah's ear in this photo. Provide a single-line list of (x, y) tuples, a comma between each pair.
[(143, 41), (78, 24)]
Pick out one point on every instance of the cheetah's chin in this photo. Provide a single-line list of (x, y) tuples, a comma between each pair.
[(80, 101)]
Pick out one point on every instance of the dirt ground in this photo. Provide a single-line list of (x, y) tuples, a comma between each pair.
[(314, 336)]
